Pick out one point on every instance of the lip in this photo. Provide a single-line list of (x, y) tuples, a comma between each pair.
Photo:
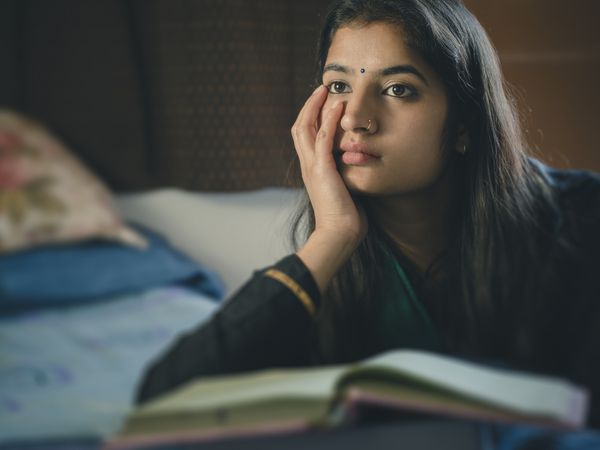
[(356, 154), (358, 147)]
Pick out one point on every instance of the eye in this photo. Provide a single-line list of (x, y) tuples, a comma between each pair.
[(338, 87), (399, 90)]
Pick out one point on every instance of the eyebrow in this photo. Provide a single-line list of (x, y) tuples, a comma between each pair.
[(393, 70)]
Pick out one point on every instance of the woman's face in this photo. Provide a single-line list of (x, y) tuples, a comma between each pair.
[(390, 137)]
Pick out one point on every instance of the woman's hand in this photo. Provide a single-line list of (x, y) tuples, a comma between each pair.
[(339, 224), (335, 210)]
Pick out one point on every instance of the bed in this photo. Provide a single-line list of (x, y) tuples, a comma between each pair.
[(83, 310)]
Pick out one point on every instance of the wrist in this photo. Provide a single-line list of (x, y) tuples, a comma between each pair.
[(336, 241), (325, 252)]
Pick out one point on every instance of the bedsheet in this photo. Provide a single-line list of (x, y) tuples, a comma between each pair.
[(69, 374)]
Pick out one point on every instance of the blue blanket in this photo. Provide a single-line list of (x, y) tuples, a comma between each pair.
[(92, 270), (71, 373)]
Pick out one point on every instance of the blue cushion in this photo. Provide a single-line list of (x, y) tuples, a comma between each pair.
[(66, 274)]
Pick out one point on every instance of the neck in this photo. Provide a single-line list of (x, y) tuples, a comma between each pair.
[(419, 223)]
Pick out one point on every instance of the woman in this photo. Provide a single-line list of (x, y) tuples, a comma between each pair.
[(427, 225)]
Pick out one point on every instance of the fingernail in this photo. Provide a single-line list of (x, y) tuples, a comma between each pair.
[(317, 89)]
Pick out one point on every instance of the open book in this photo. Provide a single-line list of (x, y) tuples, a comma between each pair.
[(274, 401)]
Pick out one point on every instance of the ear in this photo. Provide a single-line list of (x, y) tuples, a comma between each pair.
[(462, 142)]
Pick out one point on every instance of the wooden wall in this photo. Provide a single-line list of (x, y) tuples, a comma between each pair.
[(102, 75), (550, 51)]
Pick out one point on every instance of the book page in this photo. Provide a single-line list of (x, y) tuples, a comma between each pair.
[(517, 391), (223, 392)]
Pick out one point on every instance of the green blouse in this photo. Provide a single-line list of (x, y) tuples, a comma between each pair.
[(402, 320)]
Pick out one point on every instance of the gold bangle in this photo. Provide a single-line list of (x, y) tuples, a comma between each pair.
[(291, 284)]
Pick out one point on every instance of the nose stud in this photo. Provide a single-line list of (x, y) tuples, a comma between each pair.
[(369, 125)]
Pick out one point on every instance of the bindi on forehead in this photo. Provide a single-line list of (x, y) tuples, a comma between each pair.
[(384, 72)]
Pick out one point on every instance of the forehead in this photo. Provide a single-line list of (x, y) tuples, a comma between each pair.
[(374, 45)]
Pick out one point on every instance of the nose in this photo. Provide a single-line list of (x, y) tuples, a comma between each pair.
[(359, 115)]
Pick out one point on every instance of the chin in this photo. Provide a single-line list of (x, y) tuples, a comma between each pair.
[(364, 185), (370, 185)]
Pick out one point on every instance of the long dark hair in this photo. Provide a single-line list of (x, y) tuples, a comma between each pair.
[(502, 236)]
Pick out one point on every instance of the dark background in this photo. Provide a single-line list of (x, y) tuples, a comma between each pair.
[(201, 94)]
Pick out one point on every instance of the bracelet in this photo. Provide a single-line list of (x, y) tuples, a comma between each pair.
[(293, 286)]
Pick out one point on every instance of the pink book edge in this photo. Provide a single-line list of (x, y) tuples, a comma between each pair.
[(354, 397)]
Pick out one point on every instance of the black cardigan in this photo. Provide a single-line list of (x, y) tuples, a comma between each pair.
[(269, 321)]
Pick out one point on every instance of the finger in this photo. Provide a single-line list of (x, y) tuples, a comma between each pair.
[(296, 125), (312, 107), (304, 134), (326, 135), (306, 126), (303, 109)]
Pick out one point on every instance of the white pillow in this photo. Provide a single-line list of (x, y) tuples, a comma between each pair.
[(231, 233)]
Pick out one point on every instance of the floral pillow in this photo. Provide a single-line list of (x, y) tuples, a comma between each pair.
[(47, 196)]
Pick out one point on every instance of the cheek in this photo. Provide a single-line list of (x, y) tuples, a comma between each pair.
[(425, 132), (417, 145)]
